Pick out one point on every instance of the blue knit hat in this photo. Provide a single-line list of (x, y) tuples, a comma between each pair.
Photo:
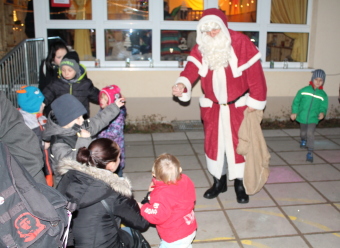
[(30, 99), (67, 108), (319, 74)]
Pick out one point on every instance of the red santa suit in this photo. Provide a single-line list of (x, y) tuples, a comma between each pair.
[(242, 80)]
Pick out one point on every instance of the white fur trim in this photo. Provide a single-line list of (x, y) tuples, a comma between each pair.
[(242, 101), (185, 96), (219, 78), (202, 68), (233, 62), (252, 61), (205, 102), (225, 146), (120, 185), (253, 103)]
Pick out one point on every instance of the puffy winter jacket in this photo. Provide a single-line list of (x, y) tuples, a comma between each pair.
[(82, 88), (85, 185), (309, 103)]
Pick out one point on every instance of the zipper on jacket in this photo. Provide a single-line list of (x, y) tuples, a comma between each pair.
[(70, 88), (310, 106)]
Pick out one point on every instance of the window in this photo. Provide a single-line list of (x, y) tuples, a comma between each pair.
[(239, 10), (127, 9), (279, 28), (81, 40), (75, 10), (179, 10), (134, 44)]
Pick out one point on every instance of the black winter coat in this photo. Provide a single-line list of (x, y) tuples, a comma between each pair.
[(82, 88), (87, 186)]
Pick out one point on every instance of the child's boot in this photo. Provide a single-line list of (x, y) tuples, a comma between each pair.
[(309, 156), (303, 144)]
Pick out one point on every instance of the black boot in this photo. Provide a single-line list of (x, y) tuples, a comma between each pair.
[(219, 186), (241, 195)]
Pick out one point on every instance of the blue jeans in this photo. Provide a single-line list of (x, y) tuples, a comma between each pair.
[(182, 243)]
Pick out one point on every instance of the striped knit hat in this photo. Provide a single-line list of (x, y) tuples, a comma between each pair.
[(319, 74)]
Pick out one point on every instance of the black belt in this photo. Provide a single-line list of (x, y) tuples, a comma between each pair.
[(231, 102)]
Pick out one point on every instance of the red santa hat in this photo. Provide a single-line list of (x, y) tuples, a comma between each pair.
[(112, 92)]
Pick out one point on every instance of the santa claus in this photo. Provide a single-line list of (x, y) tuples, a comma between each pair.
[(232, 80)]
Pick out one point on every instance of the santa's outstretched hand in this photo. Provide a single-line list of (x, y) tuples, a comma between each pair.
[(178, 89)]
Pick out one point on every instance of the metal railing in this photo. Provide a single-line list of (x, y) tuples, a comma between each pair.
[(21, 67)]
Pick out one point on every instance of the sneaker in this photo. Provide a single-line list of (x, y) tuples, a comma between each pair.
[(309, 157), (303, 144)]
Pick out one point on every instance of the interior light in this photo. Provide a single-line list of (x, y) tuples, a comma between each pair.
[(235, 5)]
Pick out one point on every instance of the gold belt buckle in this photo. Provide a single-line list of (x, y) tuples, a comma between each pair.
[(224, 104)]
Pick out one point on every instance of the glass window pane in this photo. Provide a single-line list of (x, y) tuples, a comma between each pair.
[(289, 11), (76, 10), (83, 41), (127, 9), (177, 44), (239, 10), (128, 43), (253, 36), (287, 46), (179, 10)]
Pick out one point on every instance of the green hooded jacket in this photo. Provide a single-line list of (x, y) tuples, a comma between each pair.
[(309, 103)]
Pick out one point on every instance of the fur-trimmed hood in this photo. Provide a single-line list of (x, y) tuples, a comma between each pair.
[(87, 185)]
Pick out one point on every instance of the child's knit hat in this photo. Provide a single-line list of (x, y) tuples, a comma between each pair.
[(67, 108), (112, 92), (30, 99), (319, 74), (71, 59)]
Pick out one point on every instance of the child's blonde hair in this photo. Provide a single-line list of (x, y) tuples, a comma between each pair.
[(167, 169)]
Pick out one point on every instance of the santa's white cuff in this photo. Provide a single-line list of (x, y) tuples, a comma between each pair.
[(253, 103), (187, 95)]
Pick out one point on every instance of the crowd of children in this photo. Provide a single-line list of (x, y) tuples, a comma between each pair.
[(87, 156)]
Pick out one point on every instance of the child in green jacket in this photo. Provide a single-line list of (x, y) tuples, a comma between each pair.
[(309, 107)]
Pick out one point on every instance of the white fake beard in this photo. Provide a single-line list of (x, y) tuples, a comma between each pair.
[(215, 50)]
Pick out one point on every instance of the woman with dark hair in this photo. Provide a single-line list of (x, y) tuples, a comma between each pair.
[(87, 182), (49, 67)]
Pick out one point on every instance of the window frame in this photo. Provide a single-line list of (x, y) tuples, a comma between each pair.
[(156, 23)]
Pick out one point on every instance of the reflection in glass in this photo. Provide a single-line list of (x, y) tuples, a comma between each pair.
[(177, 44), (289, 11), (180, 10), (83, 41), (287, 46), (127, 9), (134, 44), (239, 10), (253, 36), (77, 10)]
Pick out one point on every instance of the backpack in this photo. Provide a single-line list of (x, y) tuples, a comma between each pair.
[(31, 214)]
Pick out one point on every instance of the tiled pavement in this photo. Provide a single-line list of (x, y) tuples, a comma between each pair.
[(299, 205)]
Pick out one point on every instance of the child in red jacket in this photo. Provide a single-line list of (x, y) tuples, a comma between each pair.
[(171, 203)]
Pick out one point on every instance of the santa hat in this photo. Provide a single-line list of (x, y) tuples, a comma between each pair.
[(112, 92)]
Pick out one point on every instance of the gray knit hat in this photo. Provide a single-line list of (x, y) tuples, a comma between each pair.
[(71, 59), (67, 108), (319, 74)]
